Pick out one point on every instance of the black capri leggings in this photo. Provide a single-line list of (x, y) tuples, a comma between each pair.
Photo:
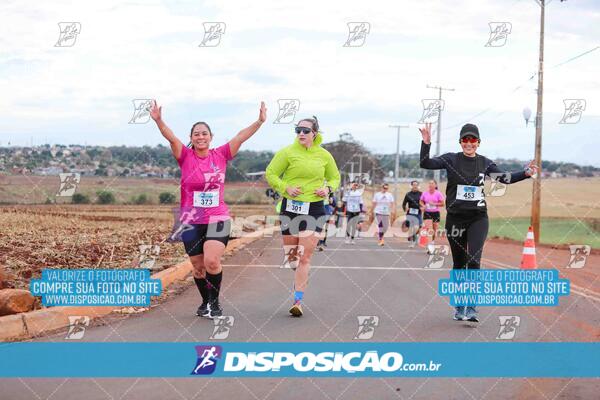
[(466, 235)]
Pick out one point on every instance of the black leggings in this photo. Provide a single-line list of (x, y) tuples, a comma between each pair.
[(466, 236), (352, 221)]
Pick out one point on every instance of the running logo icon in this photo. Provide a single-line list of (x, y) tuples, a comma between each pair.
[(68, 34), (148, 255), (573, 110), (77, 325), (431, 110), (141, 111), (498, 34), (287, 111), (68, 184), (366, 326), (212, 34), (207, 359), (579, 253), (182, 222), (497, 184), (357, 33), (508, 326), (437, 256), (291, 256), (222, 327)]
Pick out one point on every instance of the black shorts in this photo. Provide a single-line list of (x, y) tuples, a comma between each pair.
[(434, 215), (293, 224), (194, 238)]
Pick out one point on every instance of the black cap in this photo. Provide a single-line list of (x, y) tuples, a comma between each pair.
[(469, 130)]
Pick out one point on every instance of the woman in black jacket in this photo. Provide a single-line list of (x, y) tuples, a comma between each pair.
[(467, 220)]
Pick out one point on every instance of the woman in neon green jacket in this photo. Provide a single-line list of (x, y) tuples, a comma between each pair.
[(303, 173)]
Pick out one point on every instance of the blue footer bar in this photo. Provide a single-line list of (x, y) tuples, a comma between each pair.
[(322, 359)]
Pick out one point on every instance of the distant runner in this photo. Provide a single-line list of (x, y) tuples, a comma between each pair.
[(430, 202), (354, 206), (383, 207), (412, 207)]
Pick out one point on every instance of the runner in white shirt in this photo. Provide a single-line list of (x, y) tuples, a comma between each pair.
[(354, 206), (383, 207)]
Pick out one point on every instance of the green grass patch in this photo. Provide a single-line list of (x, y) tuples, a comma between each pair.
[(554, 230)]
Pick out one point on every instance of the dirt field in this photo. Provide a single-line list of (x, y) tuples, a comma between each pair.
[(87, 236), (31, 189), (561, 198)]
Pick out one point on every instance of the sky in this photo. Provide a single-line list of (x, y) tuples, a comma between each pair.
[(269, 51)]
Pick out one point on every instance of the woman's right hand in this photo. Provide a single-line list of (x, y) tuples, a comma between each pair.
[(155, 111), (293, 191), (426, 133)]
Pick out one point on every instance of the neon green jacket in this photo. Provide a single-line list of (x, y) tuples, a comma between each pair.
[(308, 168)]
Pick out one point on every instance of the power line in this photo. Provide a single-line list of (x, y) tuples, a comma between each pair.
[(521, 85)]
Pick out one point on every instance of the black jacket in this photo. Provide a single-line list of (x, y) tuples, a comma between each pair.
[(463, 170), (412, 199)]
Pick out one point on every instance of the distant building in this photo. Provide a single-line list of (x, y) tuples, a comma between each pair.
[(48, 171)]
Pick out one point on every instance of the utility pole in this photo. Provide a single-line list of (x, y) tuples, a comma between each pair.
[(360, 157), (351, 170), (436, 173), (397, 166), (536, 195)]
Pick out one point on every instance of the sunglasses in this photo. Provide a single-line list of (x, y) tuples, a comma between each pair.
[(301, 129), (469, 139)]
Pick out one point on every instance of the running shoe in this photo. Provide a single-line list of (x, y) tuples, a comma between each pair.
[(459, 313), (352, 241), (215, 309), (347, 241), (203, 310), (320, 247), (296, 309), (381, 242), (471, 315)]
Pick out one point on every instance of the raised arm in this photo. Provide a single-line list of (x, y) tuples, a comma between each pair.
[(246, 133), (426, 162), (511, 177), (176, 145)]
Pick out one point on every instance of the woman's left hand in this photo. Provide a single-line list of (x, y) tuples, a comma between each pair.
[(532, 169), (262, 115), (322, 192)]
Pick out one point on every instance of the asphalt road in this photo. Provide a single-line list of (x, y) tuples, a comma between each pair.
[(346, 281)]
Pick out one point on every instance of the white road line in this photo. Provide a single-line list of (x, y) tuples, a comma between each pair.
[(338, 267), (375, 250)]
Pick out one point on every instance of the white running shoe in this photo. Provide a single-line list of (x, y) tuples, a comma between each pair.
[(430, 248)]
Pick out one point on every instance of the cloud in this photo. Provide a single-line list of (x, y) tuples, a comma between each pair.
[(274, 50)]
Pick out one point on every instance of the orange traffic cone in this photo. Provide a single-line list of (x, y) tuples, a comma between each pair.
[(528, 260), (424, 237)]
